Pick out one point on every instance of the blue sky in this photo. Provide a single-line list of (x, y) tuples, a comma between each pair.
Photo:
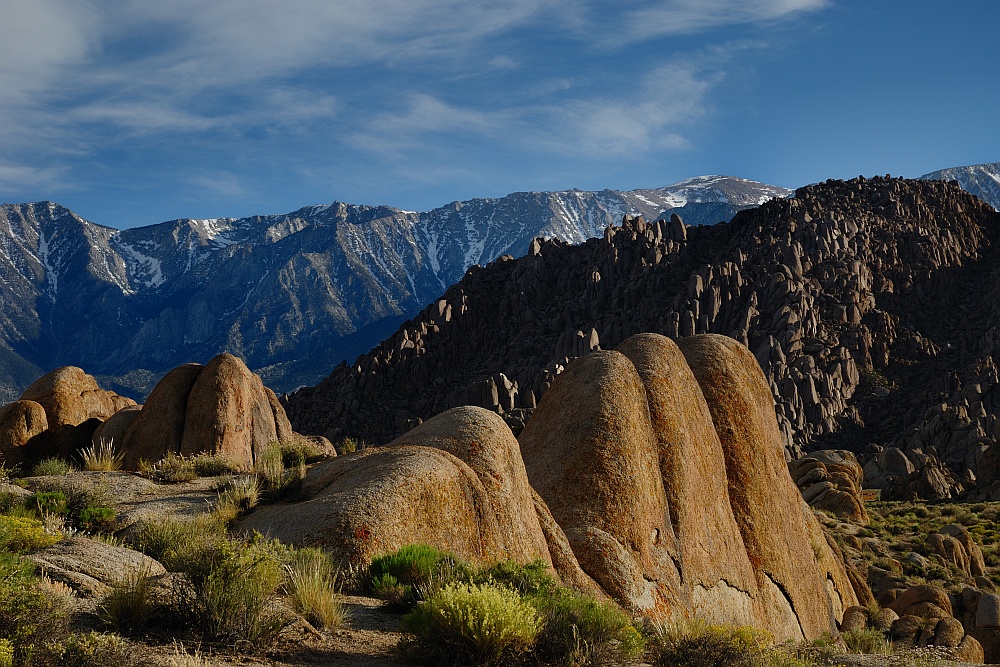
[(133, 113)]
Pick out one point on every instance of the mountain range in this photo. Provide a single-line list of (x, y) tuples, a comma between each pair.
[(291, 294), (982, 180)]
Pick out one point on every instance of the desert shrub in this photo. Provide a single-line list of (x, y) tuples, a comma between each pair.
[(30, 617), (213, 465), (868, 641), (48, 502), (177, 542), (238, 495), (51, 466), (6, 653), (269, 468), (22, 534), (232, 595), (579, 630), (348, 446), (128, 604), (92, 649), (312, 587), (299, 452), (469, 623), (534, 578), (418, 569), (698, 644), (171, 469), (181, 658), (102, 456)]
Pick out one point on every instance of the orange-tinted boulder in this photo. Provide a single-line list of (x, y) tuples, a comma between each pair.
[(794, 597), (485, 443), (228, 412), (378, 500), (20, 421), (591, 454), (70, 396), (159, 427)]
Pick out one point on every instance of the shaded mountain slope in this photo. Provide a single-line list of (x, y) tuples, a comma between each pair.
[(867, 303), (982, 180)]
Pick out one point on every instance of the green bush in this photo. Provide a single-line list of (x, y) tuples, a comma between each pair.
[(534, 578), (24, 534), (299, 452), (96, 519), (269, 468), (418, 569), (171, 469), (232, 595), (213, 465), (177, 542), (51, 466), (29, 618), (92, 649), (469, 623), (579, 630), (48, 502)]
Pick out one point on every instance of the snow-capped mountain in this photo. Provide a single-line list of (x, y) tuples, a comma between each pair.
[(292, 294), (982, 180)]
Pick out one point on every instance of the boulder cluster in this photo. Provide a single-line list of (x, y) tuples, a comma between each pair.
[(653, 474), (868, 303), (221, 408)]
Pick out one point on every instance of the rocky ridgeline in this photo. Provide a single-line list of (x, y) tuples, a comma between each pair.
[(866, 302)]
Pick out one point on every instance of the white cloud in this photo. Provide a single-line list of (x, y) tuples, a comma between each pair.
[(26, 177)]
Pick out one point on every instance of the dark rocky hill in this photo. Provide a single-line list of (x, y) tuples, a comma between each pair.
[(870, 304)]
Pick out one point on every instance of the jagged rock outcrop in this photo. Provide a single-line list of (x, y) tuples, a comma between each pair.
[(831, 480), (866, 302)]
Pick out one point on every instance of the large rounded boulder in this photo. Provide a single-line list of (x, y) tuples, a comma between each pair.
[(485, 443), (159, 426), (20, 421), (378, 500), (718, 578), (590, 452), (228, 412), (70, 396), (795, 599)]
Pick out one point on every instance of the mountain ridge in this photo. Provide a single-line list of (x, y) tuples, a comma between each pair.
[(289, 293)]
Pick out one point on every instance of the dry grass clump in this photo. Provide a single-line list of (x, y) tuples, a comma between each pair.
[(129, 603), (312, 588), (102, 456), (696, 643), (51, 466), (237, 495), (175, 468)]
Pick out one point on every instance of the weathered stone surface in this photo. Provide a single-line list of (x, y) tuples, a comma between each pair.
[(70, 396), (855, 618), (969, 650), (113, 430), (90, 567), (563, 559), (831, 480), (948, 632), (710, 546), (988, 611), (955, 544), (919, 594), (765, 501), (64, 441), (883, 619), (159, 427), (19, 422), (378, 500), (590, 452), (228, 412), (485, 443), (906, 629)]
